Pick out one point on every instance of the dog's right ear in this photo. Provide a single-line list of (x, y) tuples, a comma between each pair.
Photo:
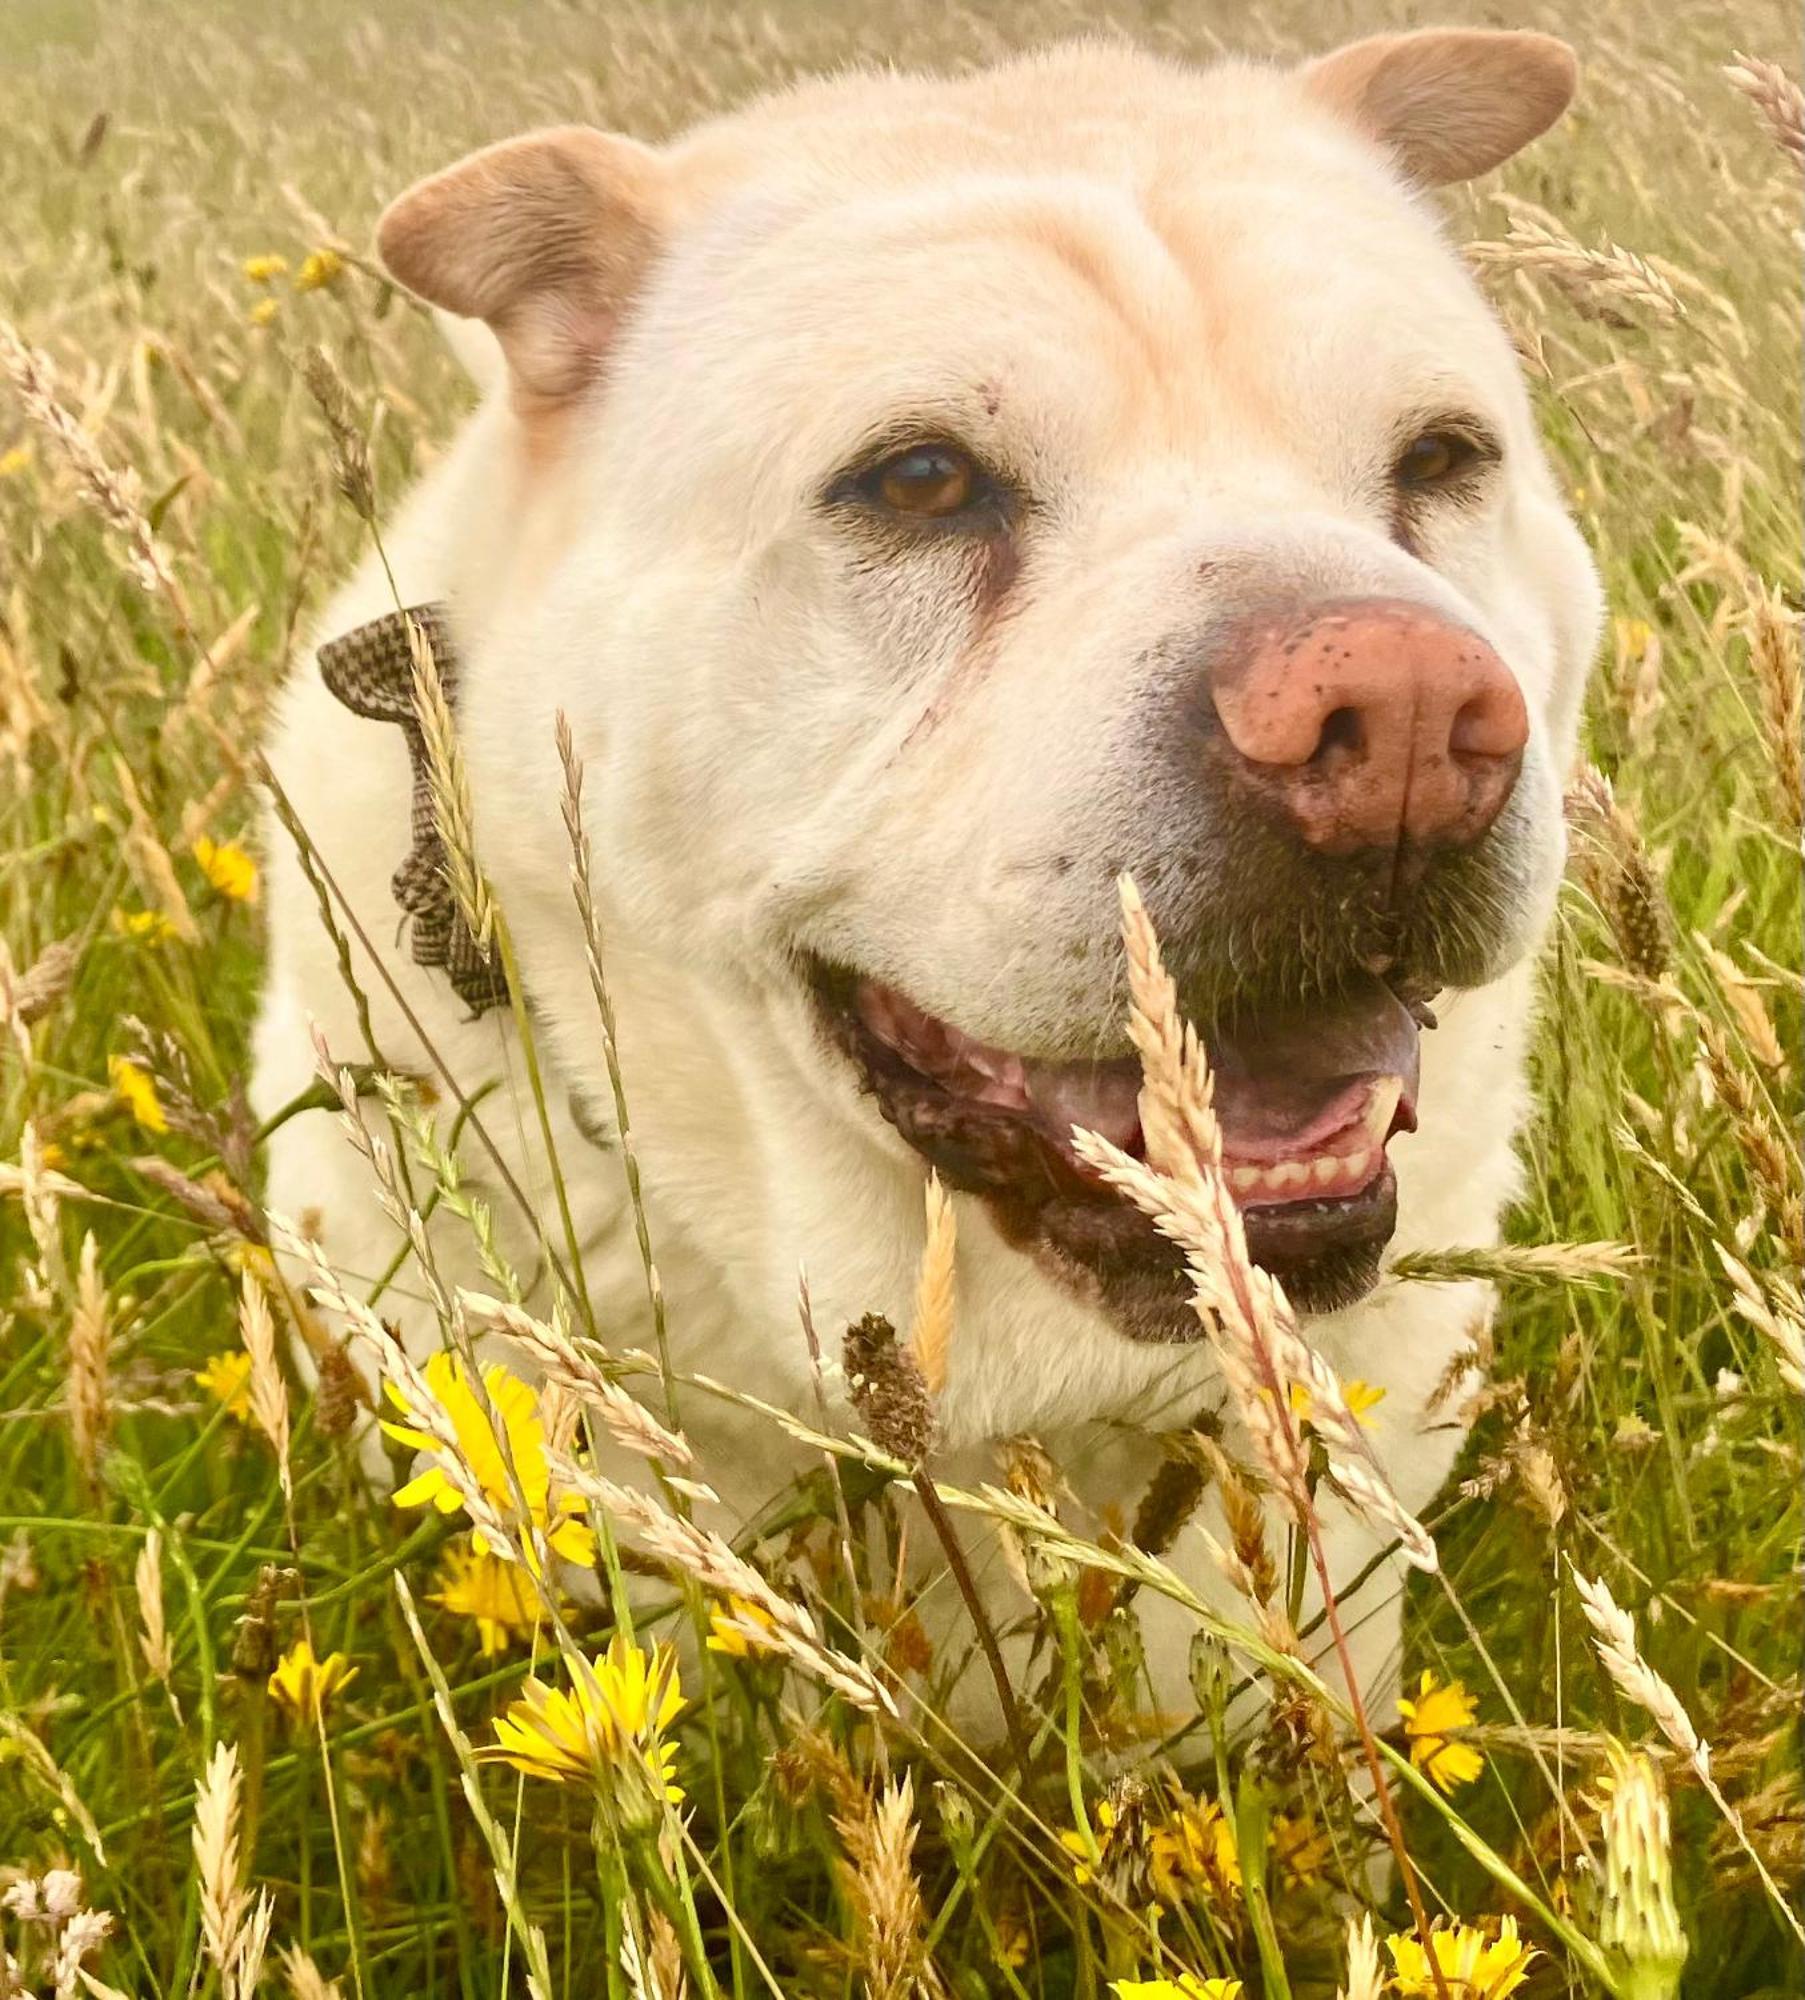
[(545, 237)]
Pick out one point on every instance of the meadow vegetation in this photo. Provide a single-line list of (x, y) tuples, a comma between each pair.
[(265, 1726)]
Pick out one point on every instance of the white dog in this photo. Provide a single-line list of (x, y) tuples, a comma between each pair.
[(927, 499)]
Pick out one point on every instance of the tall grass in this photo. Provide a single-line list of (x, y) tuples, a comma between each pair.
[(189, 1802)]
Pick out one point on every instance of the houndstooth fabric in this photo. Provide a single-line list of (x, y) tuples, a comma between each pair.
[(371, 670)]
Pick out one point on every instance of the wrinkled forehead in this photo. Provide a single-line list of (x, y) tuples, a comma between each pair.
[(1170, 298)]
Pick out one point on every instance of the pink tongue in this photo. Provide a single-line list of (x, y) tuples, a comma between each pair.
[(1289, 1082)]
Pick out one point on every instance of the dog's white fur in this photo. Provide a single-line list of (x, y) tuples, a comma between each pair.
[(1190, 302)]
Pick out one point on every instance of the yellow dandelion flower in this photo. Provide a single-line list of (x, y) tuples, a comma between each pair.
[(1431, 1721), (266, 268), (252, 1258), (1358, 1395), (1187, 1986), (319, 268), (1472, 1965), (227, 1379), (15, 461), (555, 1516), (304, 1686), (147, 926), (263, 313), (607, 1731), (1103, 1824), (228, 867), (728, 1633), (1194, 1851), (134, 1089), (1011, 1942), (499, 1596)]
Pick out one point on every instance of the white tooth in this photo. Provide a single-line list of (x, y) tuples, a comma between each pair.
[(1360, 1166), (1328, 1169), (1290, 1174), (1243, 1178), (1381, 1105)]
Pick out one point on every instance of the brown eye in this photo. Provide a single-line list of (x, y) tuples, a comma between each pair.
[(1435, 458), (928, 481)]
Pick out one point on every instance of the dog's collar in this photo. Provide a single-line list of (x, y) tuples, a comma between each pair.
[(371, 670)]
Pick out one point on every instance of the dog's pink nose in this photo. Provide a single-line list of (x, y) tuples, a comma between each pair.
[(1372, 721)]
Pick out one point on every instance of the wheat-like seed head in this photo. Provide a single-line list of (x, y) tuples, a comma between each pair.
[(931, 1330), (1614, 1635), (1778, 101), (268, 1392), (305, 1979), (147, 1577), (90, 1342), (113, 495), (574, 1366), (1609, 282), (449, 783), (878, 1878)]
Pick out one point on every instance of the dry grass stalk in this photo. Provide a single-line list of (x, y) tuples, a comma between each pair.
[(450, 785), (305, 1979), (147, 1576), (26, 997), (268, 1392), (350, 454), (1778, 101), (877, 1879), (90, 1343), (234, 1928), (1610, 283), (655, 1970), (570, 1365), (721, 1569), (1552, 1263), (1773, 1307), (1773, 630), (1249, 1321), (931, 1329), (112, 494), (1614, 1634)]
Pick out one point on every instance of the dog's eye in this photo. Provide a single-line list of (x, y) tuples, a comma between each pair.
[(1438, 458), (926, 481)]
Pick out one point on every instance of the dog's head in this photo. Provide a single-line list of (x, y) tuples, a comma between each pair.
[(951, 494)]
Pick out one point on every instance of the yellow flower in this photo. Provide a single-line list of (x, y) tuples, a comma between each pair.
[(319, 268), (1195, 1850), (498, 1595), (513, 1402), (1359, 1397), (1473, 1966), (305, 1686), (15, 461), (135, 1090), (607, 1731), (263, 313), (1300, 1847), (1187, 1986), (227, 1379), (1103, 1824), (1010, 1946), (151, 926), (1430, 1721), (228, 867), (265, 269), (727, 1633)]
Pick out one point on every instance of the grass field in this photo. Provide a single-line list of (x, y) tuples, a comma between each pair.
[(186, 197)]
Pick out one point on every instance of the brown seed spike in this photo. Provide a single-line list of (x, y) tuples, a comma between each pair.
[(888, 1390)]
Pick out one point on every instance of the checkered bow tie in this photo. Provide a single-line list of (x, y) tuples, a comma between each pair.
[(371, 670)]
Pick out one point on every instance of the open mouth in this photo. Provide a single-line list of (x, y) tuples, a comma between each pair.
[(1308, 1102)]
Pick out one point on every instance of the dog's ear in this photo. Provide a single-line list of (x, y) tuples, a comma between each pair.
[(546, 237), (1449, 103)]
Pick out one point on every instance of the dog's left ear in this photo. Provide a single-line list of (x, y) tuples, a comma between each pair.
[(545, 237), (1449, 103)]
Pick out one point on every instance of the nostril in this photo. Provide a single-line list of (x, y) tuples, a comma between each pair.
[(1483, 729), (1342, 729)]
